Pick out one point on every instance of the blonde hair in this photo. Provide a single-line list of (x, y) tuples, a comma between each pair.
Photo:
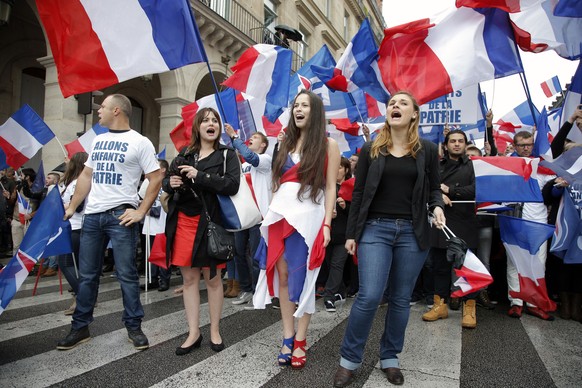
[(383, 141)]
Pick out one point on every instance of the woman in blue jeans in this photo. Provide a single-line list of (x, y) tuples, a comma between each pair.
[(69, 263), (396, 178)]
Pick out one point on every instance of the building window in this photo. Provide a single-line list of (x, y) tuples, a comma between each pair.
[(346, 25), (303, 49), (270, 15)]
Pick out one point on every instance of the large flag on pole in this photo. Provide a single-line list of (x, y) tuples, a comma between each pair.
[(96, 44), (455, 49), (263, 72), (47, 235), (22, 135), (357, 67), (522, 240)]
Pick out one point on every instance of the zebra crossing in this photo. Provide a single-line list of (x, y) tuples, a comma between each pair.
[(501, 352)]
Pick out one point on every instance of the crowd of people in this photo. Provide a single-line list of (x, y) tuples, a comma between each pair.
[(367, 227)]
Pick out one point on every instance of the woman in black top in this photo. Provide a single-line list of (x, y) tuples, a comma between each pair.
[(198, 172), (397, 179)]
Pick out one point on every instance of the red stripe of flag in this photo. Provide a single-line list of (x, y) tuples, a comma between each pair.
[(82, 60)]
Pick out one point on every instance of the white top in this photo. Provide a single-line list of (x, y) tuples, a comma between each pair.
[(537, 211), (118, 160), (261, 181), (153, 225), (77, 219)]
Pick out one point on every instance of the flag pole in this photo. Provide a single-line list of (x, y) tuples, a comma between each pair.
[(356, 105), (220, 105), (62, 148), (525, 86)]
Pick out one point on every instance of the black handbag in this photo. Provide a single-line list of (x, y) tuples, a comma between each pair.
[(219, 241)]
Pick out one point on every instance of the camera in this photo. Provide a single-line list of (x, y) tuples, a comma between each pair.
[(174, 170)]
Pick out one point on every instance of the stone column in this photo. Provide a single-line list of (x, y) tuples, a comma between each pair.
[(61, 116), (170, 116)]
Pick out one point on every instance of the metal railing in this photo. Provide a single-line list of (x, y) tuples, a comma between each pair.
[(234, 13)]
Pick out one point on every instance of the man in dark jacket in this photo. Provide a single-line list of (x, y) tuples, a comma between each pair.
[(457, 184)]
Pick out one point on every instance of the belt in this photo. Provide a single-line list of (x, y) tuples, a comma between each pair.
[(122, 207)]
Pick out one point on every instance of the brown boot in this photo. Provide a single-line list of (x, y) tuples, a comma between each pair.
[(228, 287), (565, 305), (438, 311), (575, 308), (469, 314), (50, 272), (235, 290)]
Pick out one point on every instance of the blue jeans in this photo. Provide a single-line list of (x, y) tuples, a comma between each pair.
[(66, 263), (246, 243), (388, 254), (97, 230)]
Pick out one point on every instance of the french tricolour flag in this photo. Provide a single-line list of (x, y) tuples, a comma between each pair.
[(458, 48), (263, 72), (521, 116), (83, 143), (357, 67), (506, 5), (22, 135), (47, 235), (96, 44), (182, 134), (551, 86), (506, 179), (473, 276), (522, 240), (537, 29), (23, 208)]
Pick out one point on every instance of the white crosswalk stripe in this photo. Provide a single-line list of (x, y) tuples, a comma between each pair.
[(432, 356)]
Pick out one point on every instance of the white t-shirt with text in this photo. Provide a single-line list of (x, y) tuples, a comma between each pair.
[(118, 159)]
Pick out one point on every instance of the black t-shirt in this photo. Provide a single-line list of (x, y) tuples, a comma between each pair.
[(393, 198)]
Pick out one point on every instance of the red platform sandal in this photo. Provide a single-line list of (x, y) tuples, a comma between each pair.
[(299, 362)]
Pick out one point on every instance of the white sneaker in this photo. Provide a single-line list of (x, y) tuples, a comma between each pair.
[(243, 298)]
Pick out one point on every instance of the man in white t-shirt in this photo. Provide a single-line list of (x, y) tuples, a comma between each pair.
[(113, 212)]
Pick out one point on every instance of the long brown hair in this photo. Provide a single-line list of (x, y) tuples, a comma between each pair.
[(195, 141), (74, 167), (383, 141), (311, 170)]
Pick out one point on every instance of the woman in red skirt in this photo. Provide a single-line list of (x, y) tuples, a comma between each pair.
[(198, 171)]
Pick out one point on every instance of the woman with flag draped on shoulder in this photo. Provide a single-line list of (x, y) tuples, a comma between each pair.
[(397, 183), (296, 228)]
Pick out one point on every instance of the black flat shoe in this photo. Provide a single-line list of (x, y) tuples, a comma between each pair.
[(180, 351), (217, 347)]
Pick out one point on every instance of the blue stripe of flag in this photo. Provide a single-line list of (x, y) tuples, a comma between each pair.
[(528, 235), (175, 32), (278, 94), (499, 42), (31, 122)]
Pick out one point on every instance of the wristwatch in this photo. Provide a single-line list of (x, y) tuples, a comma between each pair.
[(233, 137)]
